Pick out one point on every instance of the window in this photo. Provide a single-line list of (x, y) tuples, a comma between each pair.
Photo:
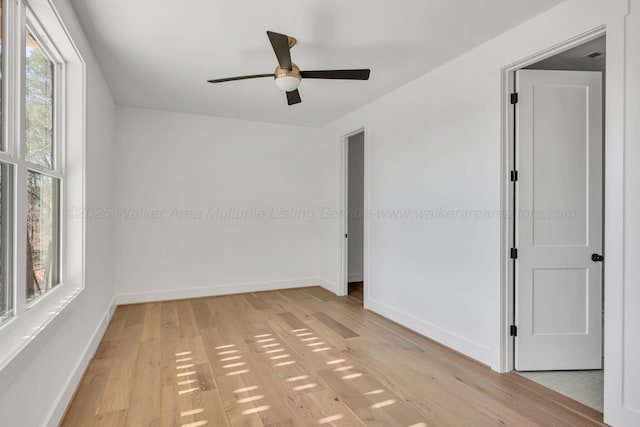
[(43, 191), (42, 134), (31, 163), (42, 173)]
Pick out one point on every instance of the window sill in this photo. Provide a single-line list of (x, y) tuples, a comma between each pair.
[(23, 337)]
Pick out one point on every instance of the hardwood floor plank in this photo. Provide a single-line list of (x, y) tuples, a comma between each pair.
[(257, 301), (89, 394), (293, 321), (152, 323), (146, 394), (169, 414), (188, 325), (117, 394), (201, 312), (112, 419), (335, 325), (295, 358)]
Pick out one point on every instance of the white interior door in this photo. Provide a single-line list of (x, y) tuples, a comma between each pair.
[(559, 224)]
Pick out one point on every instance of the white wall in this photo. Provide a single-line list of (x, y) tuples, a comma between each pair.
[(356, 206), (43, 382), (434, 149), (172, 164)]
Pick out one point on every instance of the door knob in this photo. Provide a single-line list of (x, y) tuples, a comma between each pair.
[(597, 258)]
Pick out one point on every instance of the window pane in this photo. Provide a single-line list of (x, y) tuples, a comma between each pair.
[(38, 105), (43, 234), (6, 282)]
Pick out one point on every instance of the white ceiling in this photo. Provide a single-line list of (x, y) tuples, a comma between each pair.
[(575, 59), (159, 53)]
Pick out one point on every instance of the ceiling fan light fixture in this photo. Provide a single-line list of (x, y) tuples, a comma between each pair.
[(287, 80)]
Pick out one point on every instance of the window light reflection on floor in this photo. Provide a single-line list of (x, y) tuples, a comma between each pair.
[(256, 410), (245, 389), (383, 404), (330, 419)]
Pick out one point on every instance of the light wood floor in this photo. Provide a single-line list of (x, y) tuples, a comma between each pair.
[(295, 358)]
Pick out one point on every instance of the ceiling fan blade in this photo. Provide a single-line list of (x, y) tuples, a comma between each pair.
[(293, 97), (280, 44), (337, 74), (230, 79)]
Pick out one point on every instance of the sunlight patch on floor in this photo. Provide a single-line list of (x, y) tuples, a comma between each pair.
[(220, 347), (255, 410), (242, 371), (192, 412), (330, 419), (230, 358), (305, 387), (245, 389), (196, 424), (280, 356), (190, 365), (250, 398), (352, 376), (383, 404)]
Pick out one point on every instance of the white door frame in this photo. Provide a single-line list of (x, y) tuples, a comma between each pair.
[(507, 189), (343, 284)]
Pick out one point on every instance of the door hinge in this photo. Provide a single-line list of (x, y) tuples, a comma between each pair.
[(514, 98), (513, 331), (514, 176), (514, 253)]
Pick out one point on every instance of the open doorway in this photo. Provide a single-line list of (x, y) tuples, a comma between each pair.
[(355, 215), (557, 231)]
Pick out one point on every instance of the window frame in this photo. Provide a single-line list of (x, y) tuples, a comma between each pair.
[(28, 320)]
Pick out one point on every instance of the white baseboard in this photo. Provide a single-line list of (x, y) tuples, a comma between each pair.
[(328, 285), (356, 277), (463, 345), (74, 380), (227, 289)]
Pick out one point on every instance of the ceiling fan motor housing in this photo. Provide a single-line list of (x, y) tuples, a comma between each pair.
[(287, 80)]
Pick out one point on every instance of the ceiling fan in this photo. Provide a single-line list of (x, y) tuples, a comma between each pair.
[(288, 75)]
